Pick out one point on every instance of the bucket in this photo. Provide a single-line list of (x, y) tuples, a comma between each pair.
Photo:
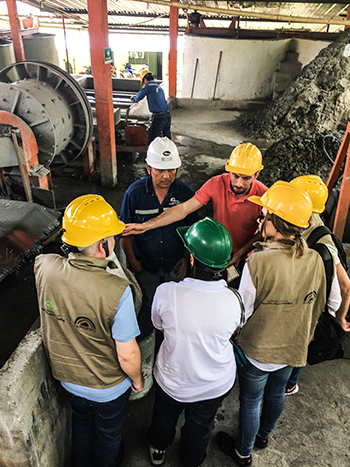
[(147, 361)]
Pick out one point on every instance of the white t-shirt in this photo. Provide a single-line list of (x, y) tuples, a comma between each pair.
[(195, 361)]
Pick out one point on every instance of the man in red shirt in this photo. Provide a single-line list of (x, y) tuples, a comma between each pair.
[(229, 194)]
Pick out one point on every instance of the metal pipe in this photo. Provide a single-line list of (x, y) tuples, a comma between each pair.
[(250, 14), (66, 45)]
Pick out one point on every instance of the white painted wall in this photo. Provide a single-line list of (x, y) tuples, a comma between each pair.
[(246, 69), (308, 49)]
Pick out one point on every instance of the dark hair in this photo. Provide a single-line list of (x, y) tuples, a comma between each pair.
[(149, 77), (299, 246), (199, 270)]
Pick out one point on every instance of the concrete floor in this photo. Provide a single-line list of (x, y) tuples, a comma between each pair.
[(314, 429)]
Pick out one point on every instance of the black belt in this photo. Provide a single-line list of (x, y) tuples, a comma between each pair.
[(160, 113)]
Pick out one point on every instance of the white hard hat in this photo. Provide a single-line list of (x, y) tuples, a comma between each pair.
[(162, 154)]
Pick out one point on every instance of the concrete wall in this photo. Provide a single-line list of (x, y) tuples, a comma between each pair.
[(308, 49), (34, 414), (246, 69)]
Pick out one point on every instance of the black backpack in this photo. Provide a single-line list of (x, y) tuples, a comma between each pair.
[(320, 232), (329, 335)]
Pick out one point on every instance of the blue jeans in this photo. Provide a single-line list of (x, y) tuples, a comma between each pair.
[(160, 125), (294, 376), (256, 386), (96, 430), (195, 433), (148, 283)]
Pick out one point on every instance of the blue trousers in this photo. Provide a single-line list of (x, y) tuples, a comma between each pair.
[(148, 283), (294, 376), (160, 126), (96, 430), (195, 433), (257, 386)]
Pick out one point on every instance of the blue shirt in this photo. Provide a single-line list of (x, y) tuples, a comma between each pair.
[(162, 247), (124, 329), (155, 97)]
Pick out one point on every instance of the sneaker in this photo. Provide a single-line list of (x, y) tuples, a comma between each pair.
[(227, 445), (157, 455), (292, 389), (260, 442)]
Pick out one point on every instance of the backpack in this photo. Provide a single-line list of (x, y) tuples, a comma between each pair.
[(320, 232), (329, 335)]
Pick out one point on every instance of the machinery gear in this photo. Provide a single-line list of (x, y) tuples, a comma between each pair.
[(209, 242), (162, 154), (287, 201), (245, 159), (88, 219)]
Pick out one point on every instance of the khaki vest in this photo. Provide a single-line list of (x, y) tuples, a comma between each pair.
[(78, 299), (316, 221), (290, 296)]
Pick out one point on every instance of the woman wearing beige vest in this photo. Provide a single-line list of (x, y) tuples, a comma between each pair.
[(284, 291)]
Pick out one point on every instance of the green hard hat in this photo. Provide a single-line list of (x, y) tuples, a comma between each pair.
[(208, 241)]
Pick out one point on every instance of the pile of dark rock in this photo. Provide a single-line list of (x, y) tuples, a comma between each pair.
[(300, 154), (318, 100)]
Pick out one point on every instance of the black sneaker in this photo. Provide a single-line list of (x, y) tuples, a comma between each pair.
[(260, 442), (291, 389), (227, 445), (157, 455)]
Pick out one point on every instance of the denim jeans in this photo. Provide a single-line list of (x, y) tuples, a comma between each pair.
[(294, 376), (195, 433), (160, 125), (96, 430), (256, 386)]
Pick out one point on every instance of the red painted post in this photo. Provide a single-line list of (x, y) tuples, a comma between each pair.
[(15, 30), (101, 71), (173, 29)]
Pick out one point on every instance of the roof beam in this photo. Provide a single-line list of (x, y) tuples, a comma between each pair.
[(250, 14)]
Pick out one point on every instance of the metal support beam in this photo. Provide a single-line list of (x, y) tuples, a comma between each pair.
[(250, 14), (15, 30), (98, 33), (173, 30), (344, 195)]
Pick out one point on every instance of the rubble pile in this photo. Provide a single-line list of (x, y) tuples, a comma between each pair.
[(318, 100), (299, 155)]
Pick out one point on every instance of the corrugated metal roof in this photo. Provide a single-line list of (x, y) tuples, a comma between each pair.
[(130, 14)]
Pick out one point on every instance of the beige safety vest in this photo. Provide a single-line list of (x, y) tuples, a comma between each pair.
[(290, 296), (78, 299)]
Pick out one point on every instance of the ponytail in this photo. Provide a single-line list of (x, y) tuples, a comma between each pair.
[(299, 247), (298, 244)]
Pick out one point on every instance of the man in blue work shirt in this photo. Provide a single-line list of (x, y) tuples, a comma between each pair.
[(154, 255), (157, 104)]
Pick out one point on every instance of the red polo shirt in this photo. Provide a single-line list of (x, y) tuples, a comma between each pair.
[(239, 216)]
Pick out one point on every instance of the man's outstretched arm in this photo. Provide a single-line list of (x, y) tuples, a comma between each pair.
[(174, 214)]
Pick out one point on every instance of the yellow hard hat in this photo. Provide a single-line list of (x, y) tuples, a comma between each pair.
[(315, 188), (245, 159), (287, 201), (88, 219), (142, 75)]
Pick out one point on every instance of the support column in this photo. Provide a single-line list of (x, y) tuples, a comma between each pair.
[(173, 30), (101, 71), (15, 30)]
